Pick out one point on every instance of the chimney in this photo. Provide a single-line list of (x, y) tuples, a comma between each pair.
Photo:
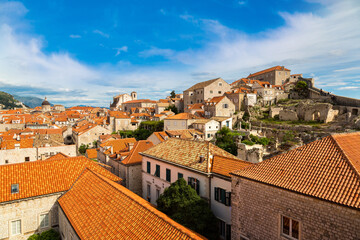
[(202, 159), (18, 138), (131, 146)]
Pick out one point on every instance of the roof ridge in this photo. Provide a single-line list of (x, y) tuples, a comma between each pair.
[(341, 150), (146, 205)]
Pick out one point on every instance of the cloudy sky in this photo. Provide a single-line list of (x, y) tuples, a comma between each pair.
[(85, 52)]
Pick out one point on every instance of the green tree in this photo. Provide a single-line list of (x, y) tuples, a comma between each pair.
[(181, 203), (301, 85), (226, 139), (173, 94), (47, 235), (82, 148), (173, 109)]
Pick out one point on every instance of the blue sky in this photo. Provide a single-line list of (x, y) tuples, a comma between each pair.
[(85, 52)]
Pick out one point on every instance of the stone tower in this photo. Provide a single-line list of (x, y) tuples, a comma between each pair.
[(134, 95)]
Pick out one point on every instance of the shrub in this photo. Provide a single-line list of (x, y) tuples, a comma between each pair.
[(34, 237), (247, 142)]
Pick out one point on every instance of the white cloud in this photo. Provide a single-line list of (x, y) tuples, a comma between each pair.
[(325, 44), (241, 3), (121, 49), (74, 36), (105, 35)]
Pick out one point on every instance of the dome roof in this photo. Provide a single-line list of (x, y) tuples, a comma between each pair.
[(45, 102)]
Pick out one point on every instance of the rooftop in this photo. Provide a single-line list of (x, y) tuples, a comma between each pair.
[(202, 84), (182, 116), (328, 169), (94, 198), (277, 68), (45, 177)]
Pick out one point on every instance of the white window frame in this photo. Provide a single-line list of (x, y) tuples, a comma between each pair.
[(290, 228), (11, 227), (40, 222)]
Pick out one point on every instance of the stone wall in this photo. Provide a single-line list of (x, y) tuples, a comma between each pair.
[(28, 211), (257, 209), (6, 127), (66, 230), (134, 179)]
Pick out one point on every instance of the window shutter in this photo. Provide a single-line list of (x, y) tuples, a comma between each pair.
[(222, 195), (198, 187), (189, 181), (228, 199), (216, 194)]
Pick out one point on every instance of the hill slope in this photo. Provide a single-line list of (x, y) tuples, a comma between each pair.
[(31, 102), (7, 101)]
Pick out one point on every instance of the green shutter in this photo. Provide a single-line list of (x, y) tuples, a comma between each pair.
[(222, 196), (180, 175), (197, 186), (216, 194), (168, 175), (148, 167)]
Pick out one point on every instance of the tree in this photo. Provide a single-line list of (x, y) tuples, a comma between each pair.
[(173, 109), (83, 148), (47, 235), (226, 139), (173, 94), (181, 203)]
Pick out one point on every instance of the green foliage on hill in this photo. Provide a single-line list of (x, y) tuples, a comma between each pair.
[(138, 134), (181, 203), (173, 109), (153, 126), (226, 139), (8, 101)]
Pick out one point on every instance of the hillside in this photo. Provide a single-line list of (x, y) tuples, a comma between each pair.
[(31, 102), (7, 101)]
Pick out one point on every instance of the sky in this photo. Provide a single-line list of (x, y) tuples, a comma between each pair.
[(86, 52)]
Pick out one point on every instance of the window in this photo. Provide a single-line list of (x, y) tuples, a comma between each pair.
[(44, 220), (208, 135), (222, 229), (220, 84), (148, 167), (211, 91), (219, 92), (289, 228), (6, 161), (180, 175), (157, 193), (27, 159), (226, 105), (15, 188), (222, 196), (168, 175), (228, 232), (157, 171), (195, 184), (16, 227), (148, 193)]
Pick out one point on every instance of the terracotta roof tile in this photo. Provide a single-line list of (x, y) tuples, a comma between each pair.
[(45, 177), (182, 116), (134, 157), (91, 153), (57, 156), (187, 153), (98, 208), (202, 84), (279, 68), (225, 165), (327, 169), (11, 144)]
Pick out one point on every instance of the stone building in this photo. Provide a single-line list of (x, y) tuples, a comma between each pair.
[(119, 121), (179, 121), (120, 99), (88, 133), (45, 106), (239, 96), (277, 75), (219, 107), (203, 91), (140, 103), (203, 165), (208, 127), (29, 193), (311, 192)]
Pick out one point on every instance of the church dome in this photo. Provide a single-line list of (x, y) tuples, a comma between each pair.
[(45, 102)]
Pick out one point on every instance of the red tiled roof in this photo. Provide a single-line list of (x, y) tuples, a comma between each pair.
[(98, 208), (141, 101), (57, 156), (327, 169), (118, 114), (278, 68), (224, 165), (182, 116), (45, 177), (118, 144), (134, 157), (91, 153), (10, 144)]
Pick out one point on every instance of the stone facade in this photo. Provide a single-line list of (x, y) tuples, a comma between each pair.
[(275, 76), (66, 230), (201, 92), (132, 177), (224, 108), (257, 209), (28, 211)]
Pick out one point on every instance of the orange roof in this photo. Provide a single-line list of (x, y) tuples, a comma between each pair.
[(58, 156), (141, 101), (98, 208), (328, 169), (91, 153), (182, 116), (196, 106), (118, 114), (10, 144), (215, 100), (119, 144), (224, 165), (45, 177), (278, 68), (83, 128), (134, 157), (161, 136)]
